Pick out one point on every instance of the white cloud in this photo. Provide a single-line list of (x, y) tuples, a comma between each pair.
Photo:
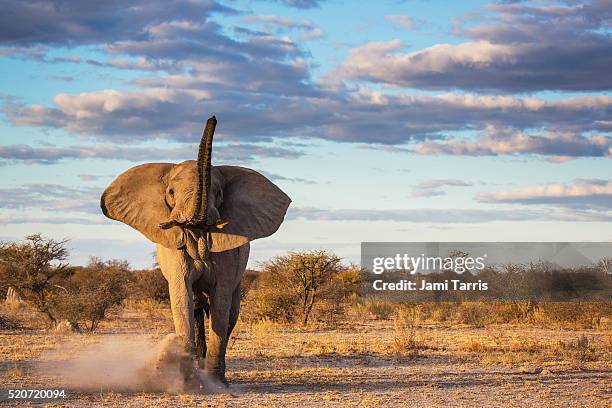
[(451, 215), (580, 193), (366, 116), (557, 146), (524, 48), (405, 22), (233, 152), (433, 188)]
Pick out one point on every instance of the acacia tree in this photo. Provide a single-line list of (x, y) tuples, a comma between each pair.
[(313, 269), (92, 291), (307, 272), (605, 266), (35, 268)]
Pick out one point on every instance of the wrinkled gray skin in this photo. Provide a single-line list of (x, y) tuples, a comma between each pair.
[(148, 195)]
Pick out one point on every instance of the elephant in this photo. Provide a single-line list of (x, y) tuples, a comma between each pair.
[(201, 218)]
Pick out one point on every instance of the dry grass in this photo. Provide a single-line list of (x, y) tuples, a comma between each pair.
[(432, 351), (477, 314)]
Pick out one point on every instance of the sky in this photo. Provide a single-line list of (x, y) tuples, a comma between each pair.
[(383, 121)]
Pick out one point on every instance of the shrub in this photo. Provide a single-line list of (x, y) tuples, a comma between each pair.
[(350, 281), (275, 305), (581, 349), (409, 315), (294, 285), (406, 342), (473, 313), (582, 315), (380, 309), (8, 323), (438, 311), (36, 269), (149, 284), (92, 291), (248, 281)]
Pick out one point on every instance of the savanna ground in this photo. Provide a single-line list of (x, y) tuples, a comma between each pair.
[(379, 355)]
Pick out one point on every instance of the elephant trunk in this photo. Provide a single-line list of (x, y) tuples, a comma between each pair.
[(198, 215), (199, 211)]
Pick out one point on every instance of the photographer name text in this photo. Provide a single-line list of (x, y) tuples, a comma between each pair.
[(408, 285)]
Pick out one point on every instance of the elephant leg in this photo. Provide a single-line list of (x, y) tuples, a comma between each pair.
[(224, 306), (234, 311), (217, 343), (176, 267), (242, 260), (201, 310)]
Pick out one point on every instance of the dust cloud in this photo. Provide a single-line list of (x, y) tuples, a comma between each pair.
[(131, 364)]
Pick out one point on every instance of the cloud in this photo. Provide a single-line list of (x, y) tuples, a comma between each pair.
[(12, 220), (233, 152), (68, 58), (157, 36), (279, 177), (557, 146), (437, 183), (445, 215), (260, 86), (91, 177), (65, 78), (312, 34), (523, 48), (580, 193), (272, 20), (306, 28), (73, 22), (432, 188), (181, 43), (52, 197), (302, 4), (140, 64), (405, 22), (34, 52), (367, 116)]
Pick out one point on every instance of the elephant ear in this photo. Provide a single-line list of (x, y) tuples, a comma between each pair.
[(137, 198), (253, 205)]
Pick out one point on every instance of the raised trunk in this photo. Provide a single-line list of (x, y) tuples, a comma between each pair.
[(202, 190), (198, 213)]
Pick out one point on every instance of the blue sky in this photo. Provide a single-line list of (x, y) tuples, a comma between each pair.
[(384, 121)]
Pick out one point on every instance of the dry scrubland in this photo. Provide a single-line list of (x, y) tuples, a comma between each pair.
[(309, 335), (375, 353)]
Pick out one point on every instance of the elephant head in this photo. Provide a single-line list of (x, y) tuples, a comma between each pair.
[(195, 205)]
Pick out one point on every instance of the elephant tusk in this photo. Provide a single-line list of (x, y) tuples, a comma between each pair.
[(168, 224), (221, 224)]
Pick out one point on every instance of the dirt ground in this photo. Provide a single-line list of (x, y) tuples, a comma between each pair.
[(366, 363)]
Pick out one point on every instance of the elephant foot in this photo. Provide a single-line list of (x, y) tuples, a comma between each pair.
[(171, 369), (215, 382), (201, 363)]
